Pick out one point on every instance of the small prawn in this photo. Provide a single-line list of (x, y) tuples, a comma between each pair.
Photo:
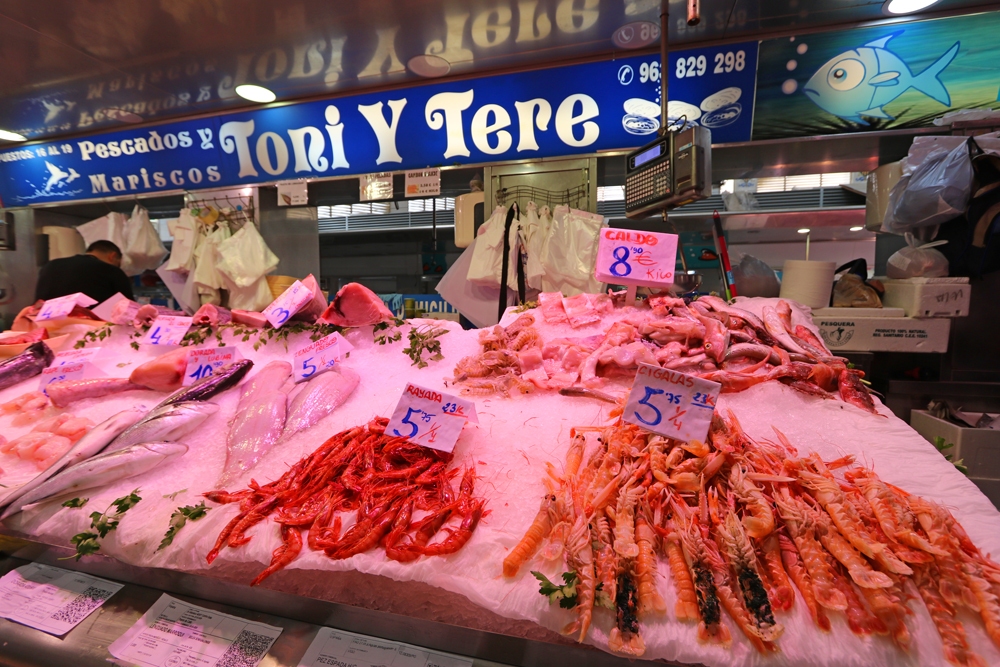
[(953, 638), (782, 596), (686, 607), (605, 561), (760, 520), (859, 569), (580, 557), (291, 545), (797, 573)]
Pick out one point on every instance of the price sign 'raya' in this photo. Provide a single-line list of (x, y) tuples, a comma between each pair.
[(430, 418), (671, 404), (628, 257)]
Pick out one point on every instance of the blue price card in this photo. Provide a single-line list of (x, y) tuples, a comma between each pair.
[(319, 356), (671, 404), (203, 362), (167, 330), (430, 418)]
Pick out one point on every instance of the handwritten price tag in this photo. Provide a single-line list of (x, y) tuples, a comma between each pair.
[(74, 356), (319, 356), (78, 370), (626, 257), (167, 330), (202, 363), (671, 404), (431, 418), (287, 304), (55, 309)]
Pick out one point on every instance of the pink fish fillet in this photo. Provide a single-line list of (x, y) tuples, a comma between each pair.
[(212, 316), (249, 318), (124, 312), (355, 306), (551, 305), (165, 373), (20, 338), (312, 310), (68, 391)]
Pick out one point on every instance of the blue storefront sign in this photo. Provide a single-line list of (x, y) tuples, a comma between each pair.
[(563, 111)]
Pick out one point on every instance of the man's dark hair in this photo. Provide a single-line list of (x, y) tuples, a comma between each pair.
[(104, 246)]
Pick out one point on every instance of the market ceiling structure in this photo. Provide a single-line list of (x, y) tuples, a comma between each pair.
[(75, 66)]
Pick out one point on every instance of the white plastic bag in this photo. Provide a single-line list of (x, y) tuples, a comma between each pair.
[(206, 273), (256, 297), (143, 249), (244, 257), (486, 263), (917, 261), (477, 303), (108, 228), (572, 252), (185, 236), (937, 191), (535, 231)]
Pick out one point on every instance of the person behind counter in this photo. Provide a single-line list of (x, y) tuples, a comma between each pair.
[(96, 273)]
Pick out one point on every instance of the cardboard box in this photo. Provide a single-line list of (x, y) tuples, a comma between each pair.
[(978, 448), (929, 297), (883, 334)]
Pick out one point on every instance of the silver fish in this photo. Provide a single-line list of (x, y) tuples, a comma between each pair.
[(31, 362), (201, 390), (318, 398), (774, 326), (260, 419), (89, 445), (166, 424), (102, 470)]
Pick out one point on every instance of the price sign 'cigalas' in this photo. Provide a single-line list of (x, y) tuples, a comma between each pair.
[(628, 257), (430, 418), (671, 404)]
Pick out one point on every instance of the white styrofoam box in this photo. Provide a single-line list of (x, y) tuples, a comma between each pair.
[(929, 297), (857, 312), (883, 334), (979, 448)]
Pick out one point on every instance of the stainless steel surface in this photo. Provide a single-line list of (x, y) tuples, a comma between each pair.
[(297, 614), (68, 64), (555, 176)]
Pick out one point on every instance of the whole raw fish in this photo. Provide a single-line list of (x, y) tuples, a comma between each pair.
[(35, 358), (165, 424), (210, 385), (318, 398), (102, 470), (260, 419), (67, 391), (89, 445), (774, 326)]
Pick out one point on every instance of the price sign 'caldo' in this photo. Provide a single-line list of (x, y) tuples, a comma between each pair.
[(167, 330), (430, 418), (287, 304), (671, 404), (55, 309), (319, 356), (628, 257), (202, 363)]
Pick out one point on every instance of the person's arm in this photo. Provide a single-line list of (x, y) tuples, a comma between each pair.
[(124, 284)]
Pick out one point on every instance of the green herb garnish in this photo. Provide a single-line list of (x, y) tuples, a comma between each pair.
[(86, 543), (565, 595), (940, 445), (179, 518), (73, 503), (424, 338), (384, 334)]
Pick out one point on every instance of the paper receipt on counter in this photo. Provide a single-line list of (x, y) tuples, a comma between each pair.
[(52, 599), (337, 647), (174, 632)]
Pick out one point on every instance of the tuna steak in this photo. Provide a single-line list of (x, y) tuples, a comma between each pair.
[(355, 306)]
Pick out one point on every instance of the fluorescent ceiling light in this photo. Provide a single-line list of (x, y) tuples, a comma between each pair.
[(255, 93), (856, 229), (804, 230), (907, 6), (11, 136)]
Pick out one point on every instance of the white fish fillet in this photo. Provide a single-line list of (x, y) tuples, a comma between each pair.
[(318, 398), (269, 379)]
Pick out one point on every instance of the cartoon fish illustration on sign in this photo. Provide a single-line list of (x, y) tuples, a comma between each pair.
[(861, 81)]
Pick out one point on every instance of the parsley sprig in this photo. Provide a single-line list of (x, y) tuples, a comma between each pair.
[(565, 595), (74, 503), (180, 517), (388, 332), (101, 524), (424, 338)]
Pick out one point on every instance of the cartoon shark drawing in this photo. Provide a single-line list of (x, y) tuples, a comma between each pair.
[(860, 82), (57, 176)]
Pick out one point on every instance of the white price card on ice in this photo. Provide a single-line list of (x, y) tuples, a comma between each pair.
[(74, 356), (287, 304), (76, 370), (174, 633), (430, 418), (319, 356), (167, 330), (204, 362), (337, 647), (55, 309), (51, 599), (628, 257), (671, 404)]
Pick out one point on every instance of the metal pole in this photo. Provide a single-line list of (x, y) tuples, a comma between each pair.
[(664, 66)]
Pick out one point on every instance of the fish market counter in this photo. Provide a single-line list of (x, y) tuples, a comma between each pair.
[(449, 591)]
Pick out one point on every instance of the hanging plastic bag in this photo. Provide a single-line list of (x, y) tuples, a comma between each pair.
[(143, 249), (244, 257), (535, 233), (108, 228), (255, 297), (185, 235), (572, 252), (206, 273), (487, 261), (477, 304), (937, 191), (917, 261)]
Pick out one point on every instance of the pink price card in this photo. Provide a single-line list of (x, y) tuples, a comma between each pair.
[(77, 370), (628, 257), (672, 404), (430, 418), (167, 330), (287, 304), (55, 309), (204, 362), (319, 356)]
